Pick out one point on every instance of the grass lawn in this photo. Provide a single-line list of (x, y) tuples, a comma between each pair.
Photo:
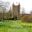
[(15, 26)]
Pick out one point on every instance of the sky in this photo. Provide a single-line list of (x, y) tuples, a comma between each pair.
[(27, 4)]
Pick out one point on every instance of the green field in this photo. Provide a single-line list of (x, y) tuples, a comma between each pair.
[(15, 26)]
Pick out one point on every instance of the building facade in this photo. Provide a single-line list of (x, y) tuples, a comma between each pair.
[(16, 11)]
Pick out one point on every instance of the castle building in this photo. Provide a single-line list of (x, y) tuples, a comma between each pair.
[(16, 11)]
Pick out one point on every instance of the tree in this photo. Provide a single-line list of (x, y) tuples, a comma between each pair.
[(31, 12), (23, 11), (5, 5)]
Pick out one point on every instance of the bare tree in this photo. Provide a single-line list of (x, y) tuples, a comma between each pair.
[(3, 6), (23, 11), (31, 12)]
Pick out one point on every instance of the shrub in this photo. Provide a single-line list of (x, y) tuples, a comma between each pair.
[(27, 18)]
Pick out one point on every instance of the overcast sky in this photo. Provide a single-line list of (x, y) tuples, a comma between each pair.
[(27, 4)]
